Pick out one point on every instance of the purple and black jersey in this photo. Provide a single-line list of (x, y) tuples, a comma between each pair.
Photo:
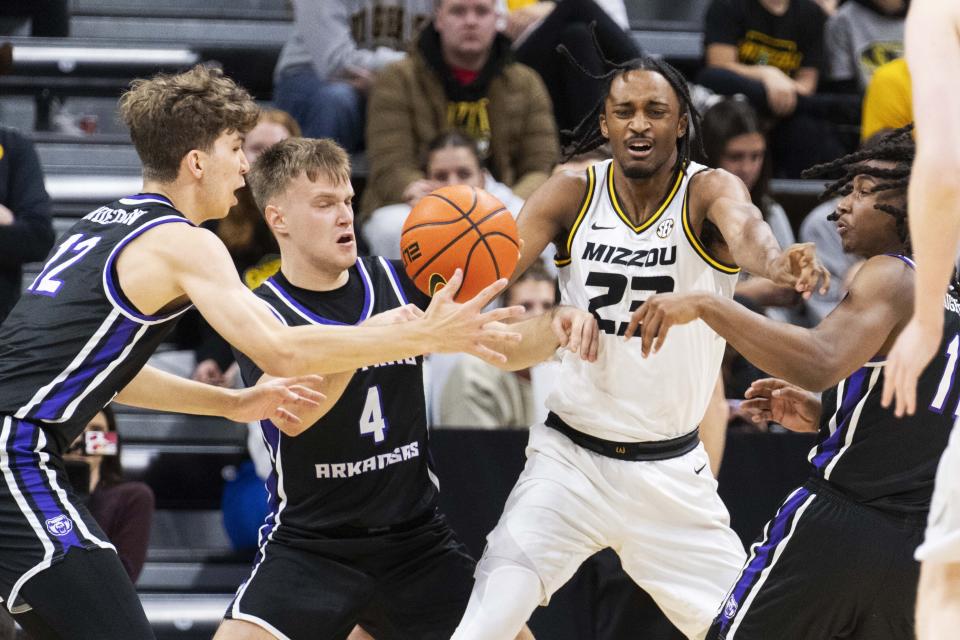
[(73, 340), (364, 465), (876, 458)]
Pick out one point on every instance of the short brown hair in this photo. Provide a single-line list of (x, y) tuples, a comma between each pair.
[(168, 115), (283, 162)]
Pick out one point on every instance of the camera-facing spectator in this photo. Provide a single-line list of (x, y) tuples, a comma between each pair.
[(26, 232), (451, 158), (458, 75), (122, 508), (326, 68)]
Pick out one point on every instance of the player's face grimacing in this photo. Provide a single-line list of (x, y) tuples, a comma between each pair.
[(224, 166), (315, 219), (642, 120), (864, 230)]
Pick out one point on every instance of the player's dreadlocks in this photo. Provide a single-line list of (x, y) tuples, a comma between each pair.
[(897, 147), (586, 135)]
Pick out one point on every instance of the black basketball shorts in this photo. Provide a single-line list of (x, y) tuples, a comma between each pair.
[(826, 567), (410, 585)]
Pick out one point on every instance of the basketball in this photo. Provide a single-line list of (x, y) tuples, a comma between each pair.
[(459, 227)]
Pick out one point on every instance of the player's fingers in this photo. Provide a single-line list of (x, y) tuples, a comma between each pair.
[(790, 393), (755, 405), (575, 337), (648, 331), (286, 416), (636, 320), (594, 343), (487, 354), (449, 290), (488, 293), (890, 372), (910, 392), (763, 387), (502, 313), (824, 276), (496, 336), (308, 395), (662, 334)]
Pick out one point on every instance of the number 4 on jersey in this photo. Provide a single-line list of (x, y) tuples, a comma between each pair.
[(371, 419)]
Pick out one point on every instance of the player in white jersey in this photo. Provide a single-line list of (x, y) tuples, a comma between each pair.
[(933, 54), (618, 462)]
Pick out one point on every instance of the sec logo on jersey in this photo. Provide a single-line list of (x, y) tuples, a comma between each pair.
[(664, 228)]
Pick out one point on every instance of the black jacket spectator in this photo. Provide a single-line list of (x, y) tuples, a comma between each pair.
[(26, 232)]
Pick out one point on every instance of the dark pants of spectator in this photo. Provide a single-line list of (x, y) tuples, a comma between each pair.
[(574, 94), (821, 128), (48, 18), (322, 108)]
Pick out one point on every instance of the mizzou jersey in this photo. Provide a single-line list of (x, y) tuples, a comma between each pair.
[(879, 459), (73, 340), (365, 464), (609, 266)]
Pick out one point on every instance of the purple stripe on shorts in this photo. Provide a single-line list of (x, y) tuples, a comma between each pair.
[(762, 558), (33, 482)]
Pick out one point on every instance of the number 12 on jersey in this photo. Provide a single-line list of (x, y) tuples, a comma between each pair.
[(45, 284), (372, 421)]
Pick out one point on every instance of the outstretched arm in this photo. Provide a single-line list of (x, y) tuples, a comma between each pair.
[(285, 401), (815, 358), (722, 198), (174, 261), (932, 45)]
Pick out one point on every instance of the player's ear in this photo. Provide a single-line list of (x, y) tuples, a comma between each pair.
[(193, 163), (682, 125), (603, 126), (275, 219)]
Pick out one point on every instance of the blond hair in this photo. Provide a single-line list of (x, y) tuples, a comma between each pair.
[(282, 163), (169, 115)]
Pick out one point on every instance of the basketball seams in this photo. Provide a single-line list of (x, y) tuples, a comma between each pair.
[(475, 226), (457, 239)]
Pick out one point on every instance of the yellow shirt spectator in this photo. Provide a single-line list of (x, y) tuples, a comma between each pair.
[(887, 103)]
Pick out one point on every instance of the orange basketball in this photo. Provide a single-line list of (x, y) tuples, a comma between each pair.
[(459, 227)]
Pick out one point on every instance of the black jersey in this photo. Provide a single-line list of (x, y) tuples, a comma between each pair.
[(364, 464), (879, 459), (73, 340)]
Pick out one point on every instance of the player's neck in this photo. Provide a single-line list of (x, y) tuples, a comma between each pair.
[(303, 273), (641, 197), (186, 199)]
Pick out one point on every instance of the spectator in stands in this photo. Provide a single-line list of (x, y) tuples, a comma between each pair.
[(536, 29), (861, 36), (888, 103), (733, 140), (451, 158), (459, 74), (326, 68), (481, 396), (122, 508), (249, 242), (26, 231), (771, 51)]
